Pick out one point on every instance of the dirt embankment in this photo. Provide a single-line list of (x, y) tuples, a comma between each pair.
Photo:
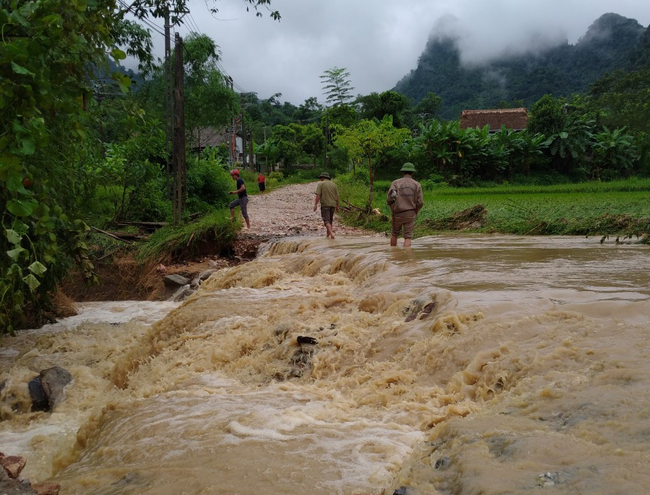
[(281, 213)]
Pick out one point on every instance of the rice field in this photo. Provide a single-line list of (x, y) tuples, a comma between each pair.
[(620, 208)]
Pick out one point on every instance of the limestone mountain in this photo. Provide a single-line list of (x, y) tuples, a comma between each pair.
[(611, 42)]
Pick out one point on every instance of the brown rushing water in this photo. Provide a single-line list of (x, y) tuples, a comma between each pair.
[(530, 374)]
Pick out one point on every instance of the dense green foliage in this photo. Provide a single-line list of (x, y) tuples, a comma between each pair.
[(562, 70), (76, 146), (45, 52)]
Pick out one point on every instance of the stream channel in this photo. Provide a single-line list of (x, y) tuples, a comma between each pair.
[(467, 365)]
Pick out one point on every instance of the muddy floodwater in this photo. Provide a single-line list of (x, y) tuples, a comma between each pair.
[(468, 365)]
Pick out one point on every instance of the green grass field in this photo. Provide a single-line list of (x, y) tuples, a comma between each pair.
[(620, 208)]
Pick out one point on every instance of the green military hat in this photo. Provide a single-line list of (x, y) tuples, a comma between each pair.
[(324, 175), (408, 167)]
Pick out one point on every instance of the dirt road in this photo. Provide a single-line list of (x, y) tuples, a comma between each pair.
[(286, 212)]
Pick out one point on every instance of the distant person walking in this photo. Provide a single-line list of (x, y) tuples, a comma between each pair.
[(261, 182), (242, 198), (327, 193), (405, 201)]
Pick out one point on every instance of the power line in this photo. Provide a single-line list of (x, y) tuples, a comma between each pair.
[(193, 28), (196, 26)]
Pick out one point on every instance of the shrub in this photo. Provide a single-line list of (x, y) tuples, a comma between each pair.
[(208, 183), (150, 204)]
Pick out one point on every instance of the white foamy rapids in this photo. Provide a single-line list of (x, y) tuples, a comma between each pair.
[(479, 364)]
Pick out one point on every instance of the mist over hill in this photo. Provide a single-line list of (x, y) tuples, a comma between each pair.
[(523, 73)]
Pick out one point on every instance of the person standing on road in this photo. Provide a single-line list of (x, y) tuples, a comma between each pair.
[(242, 198), (327, 193), (261, 182), (405, 201)]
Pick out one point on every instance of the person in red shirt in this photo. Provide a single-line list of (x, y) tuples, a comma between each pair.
[(261, 182)]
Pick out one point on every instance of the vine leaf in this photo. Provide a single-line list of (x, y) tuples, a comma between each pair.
[(21, 208), (37, 268), (19, 69), (31, 282), (12, 236), (14, 254)]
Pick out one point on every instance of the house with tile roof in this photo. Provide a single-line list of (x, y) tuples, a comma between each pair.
[(513, 118)]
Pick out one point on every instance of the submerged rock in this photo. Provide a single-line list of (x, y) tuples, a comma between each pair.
[(173, 281), (9, 486), (128, 479), (37, 394), (182, 293), (442, 463), (204, 275), (307, 340), (47, 389)]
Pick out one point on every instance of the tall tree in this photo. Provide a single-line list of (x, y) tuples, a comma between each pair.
[(337, 86), (370, 140), (377, 106), (208, 100)]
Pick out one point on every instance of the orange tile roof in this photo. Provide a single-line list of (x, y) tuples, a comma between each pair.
[(512, 118)]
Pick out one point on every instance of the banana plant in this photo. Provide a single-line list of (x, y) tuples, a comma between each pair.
[(614, 151)]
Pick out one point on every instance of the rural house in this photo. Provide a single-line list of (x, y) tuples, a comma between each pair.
[(203, 137), (513, 118)]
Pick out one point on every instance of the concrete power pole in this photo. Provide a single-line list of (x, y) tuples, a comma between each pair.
[(243, 140), (179, 164), (232, 146), (251, 159), (168, 94)]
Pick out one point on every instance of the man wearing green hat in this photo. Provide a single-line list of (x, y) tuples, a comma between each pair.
[(405, 201), (328, 195)]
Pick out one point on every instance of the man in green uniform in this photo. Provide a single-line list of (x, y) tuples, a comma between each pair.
[(328, 195), (405, 201)]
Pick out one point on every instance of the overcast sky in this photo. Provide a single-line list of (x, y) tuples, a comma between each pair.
[(378, 41)]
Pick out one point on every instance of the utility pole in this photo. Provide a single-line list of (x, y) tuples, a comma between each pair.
[(168, 94), (252, 152), (233, 128), (179, 164), (243, 140)]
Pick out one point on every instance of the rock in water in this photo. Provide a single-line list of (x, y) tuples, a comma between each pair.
[(46, 390), (9, 486), (182, 293), (204, 275), (12, 464), (39, 401), (173, 281), (53, 381)]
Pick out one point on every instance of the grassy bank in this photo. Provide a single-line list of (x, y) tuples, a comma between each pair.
[(213, 233), (620, 208)]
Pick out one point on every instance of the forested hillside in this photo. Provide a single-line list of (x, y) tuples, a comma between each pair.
[(609, 44)]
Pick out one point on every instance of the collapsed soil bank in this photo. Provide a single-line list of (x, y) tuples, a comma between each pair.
[(285, 212)]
